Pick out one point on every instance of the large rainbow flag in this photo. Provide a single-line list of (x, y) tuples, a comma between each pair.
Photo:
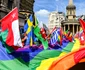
[(36, 58), (33, 58)]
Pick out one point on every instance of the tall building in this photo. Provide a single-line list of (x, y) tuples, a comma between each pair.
[(24, 7), (55, 19), (71, 10), (71, 23)]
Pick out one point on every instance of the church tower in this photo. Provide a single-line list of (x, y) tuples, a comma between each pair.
[(71, 23), (71, 10)]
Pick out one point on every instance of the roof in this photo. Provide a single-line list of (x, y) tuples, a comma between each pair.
[(71, 7)]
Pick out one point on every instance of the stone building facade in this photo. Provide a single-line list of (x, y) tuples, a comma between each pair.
[(25, 7), (71, 23), (55, 19)]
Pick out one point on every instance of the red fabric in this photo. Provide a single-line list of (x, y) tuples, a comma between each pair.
[(61, 32), (77, 35), (43, 33), (79, 55), (82, 24), (82, 39), (53, 30), (7, 25), (15, 47)]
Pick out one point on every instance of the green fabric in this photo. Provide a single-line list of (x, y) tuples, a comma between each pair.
[(0, 36), (13, 65), (69, 47), (37, 33), (3, 37), (66, 31), (18, 64), (46, 54), (9, 49)]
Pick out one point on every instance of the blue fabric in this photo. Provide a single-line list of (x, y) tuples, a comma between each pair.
[(64, 44), (31, 33), (25, 27), (31, 18), (55, 35), (24, 53), (28, 38)]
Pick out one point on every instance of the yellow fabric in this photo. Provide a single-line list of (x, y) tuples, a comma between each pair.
[(63, 63), (80, 28), (70, 34), (45, 64), (65, 33), (59, 37), (30, 24), (76, 45), (31, 42)]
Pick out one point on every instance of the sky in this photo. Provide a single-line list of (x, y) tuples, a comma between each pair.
[(42, 8)]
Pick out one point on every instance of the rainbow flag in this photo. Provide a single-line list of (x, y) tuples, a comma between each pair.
[(69, 60), (34, 58)]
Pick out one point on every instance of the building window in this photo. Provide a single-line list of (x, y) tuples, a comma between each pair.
[(10, 2), (61, 18), (56, 18)]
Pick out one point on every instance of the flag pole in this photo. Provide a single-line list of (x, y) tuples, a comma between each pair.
[(51, 32)]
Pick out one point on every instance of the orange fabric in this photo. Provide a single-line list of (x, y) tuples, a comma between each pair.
[(82, 60), (82, 46), (63, 64)]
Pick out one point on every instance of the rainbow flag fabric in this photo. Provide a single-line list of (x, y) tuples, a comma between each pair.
[(35, 58)]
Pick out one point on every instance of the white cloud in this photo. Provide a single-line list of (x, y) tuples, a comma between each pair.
[(42, 16), (42, 12), (40, 24)]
